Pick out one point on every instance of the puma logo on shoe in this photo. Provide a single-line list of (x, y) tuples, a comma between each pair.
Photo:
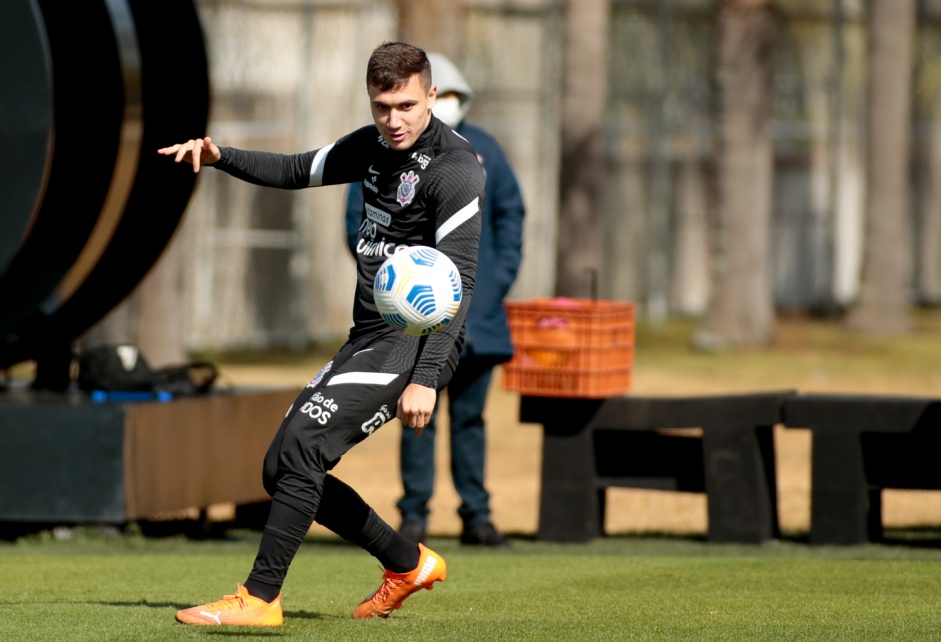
[(426, 570), (214, 616)]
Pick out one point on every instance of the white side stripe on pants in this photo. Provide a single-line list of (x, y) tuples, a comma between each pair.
[(378, 378)]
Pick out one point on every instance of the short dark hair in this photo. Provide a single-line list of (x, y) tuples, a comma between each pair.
[(393, 63)]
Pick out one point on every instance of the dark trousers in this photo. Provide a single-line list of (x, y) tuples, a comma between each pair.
[(467, 396)]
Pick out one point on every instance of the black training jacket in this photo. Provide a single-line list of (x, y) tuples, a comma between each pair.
[(430, 194)]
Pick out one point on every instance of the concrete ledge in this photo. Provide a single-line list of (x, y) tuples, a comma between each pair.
[(66, 459)]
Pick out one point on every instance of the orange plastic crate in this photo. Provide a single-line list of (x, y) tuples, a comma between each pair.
[(570, 347)]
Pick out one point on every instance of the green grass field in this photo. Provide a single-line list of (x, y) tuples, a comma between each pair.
[(619, 588), (624, 587)]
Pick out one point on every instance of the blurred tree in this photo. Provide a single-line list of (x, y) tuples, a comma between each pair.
[(585, 27), (885, 285), (159, 328), (431, 25), (741, 307)]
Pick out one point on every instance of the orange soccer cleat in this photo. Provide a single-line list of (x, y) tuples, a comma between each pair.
[(240, 609), (398, 586)]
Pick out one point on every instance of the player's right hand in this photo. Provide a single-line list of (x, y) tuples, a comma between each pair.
[(198, 151)]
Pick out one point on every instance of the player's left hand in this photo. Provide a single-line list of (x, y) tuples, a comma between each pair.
[(415, 406)]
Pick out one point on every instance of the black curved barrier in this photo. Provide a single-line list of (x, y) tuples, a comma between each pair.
[(25, 122), (122, 88), (86, 98)]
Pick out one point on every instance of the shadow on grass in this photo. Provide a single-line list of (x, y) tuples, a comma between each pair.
[(300, 615), (918, 537), (927, 537), (230, 632)]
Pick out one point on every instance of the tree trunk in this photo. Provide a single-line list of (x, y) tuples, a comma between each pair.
[(431, 25), (928, 231), (585, 37), (741, 307), (885, 286)]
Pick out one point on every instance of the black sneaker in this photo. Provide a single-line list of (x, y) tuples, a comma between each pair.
[(413, 530), (484, 535)]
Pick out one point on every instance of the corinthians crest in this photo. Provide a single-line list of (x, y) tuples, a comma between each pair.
[(406, 190)]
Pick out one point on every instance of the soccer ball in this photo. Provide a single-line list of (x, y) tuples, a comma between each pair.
[(417, 290)]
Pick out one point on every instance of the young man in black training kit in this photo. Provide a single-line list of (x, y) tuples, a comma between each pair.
[(487, 340), (423, 185)]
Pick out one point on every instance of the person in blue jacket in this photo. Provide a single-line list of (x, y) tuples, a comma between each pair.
[(487, 342)]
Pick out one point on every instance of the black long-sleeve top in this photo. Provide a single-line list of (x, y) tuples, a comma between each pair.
[(430, 194)]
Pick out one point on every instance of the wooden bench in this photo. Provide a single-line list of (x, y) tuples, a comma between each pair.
[(861, 445), (591, 445)]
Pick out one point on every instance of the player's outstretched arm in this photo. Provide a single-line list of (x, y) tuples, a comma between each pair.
[(198, 151)]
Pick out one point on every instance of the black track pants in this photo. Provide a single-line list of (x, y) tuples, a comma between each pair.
[(347, 401)]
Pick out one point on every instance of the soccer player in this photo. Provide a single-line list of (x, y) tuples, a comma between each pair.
[(487, 342), (424, 186)]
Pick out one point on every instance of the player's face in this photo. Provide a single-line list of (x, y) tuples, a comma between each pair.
[(402, 113)]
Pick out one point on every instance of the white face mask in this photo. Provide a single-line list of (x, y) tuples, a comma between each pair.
[(448, 110)]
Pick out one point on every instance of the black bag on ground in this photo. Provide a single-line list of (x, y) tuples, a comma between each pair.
[(194, 378), (114, 368), (122, 368)]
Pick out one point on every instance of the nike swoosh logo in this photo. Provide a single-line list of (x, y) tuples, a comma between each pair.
[(372, 171), (214, 616)]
